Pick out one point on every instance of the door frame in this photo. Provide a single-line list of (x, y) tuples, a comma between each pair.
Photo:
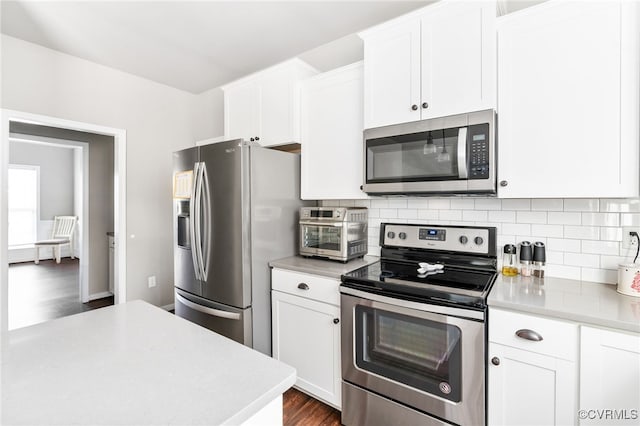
[(119, 201)]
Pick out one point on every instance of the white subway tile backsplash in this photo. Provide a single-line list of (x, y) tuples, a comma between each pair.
[(564, 218), (599, 275), (600, 247), (439, 203), (531, 217), (475, 215), (581, 205), (547, 204), (502, 216), (578, 259), (408, 213), (488, 204), (601, 219), (582, 235), (516, 204), (389, 213), (462, 204), (565, 245), (630, 219), (556, 231), (582, 232)]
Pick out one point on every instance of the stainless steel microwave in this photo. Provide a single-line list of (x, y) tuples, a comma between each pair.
[(454, 155)]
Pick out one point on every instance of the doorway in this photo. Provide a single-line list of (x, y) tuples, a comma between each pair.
[(16, 118)]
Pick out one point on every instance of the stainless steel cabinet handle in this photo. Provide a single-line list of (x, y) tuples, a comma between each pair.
[(303, 286), (257, 138), (336, 320), (414, 107), (528, 335), (495, 360), (504, 183), (425, 105)]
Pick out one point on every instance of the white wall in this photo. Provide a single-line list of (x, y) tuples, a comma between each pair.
[(158, 120), (583, 236), (56, 175)]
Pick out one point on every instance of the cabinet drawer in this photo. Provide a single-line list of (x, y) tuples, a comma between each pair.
[(559, 338), (310, 286)]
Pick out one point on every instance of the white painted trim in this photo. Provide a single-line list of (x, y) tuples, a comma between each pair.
[(120, 206), (168, 307), (101, 295)]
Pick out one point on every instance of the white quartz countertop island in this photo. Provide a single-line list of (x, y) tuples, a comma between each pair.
[(133, 364)]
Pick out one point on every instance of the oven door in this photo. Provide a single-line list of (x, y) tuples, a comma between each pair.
[(323, 239), (413, 354)]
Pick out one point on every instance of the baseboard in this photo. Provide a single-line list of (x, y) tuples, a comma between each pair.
[(101, 295), (168, 307)]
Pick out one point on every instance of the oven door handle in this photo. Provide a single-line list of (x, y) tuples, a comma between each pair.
[(336, 224), (462, 153)]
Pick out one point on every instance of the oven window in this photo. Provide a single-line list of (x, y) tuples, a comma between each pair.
[(321, 237), (420, 156), (420, 353)]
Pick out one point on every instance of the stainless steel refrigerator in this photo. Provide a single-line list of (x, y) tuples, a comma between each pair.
[(235, 209)]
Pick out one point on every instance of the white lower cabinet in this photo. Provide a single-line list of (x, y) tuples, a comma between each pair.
[(531, 382), (306, 332), (609, 376)]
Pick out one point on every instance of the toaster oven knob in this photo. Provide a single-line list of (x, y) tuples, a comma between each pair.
[(478, 240), (463, 239), (391, 234), (402, 235)]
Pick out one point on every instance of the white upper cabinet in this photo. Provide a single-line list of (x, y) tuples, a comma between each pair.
[(331, 134), (265, 107), (568, 89), (435, 62)]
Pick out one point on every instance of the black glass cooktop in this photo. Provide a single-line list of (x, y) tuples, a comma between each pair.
[(451, 285)]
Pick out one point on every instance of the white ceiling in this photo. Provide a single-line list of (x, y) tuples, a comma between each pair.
[(199, 45)]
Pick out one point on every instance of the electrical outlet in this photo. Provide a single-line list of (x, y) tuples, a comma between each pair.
[(629, 241), (152, 281)]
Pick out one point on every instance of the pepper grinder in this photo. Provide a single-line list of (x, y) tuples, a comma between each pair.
[(526, 256), (539, 258)]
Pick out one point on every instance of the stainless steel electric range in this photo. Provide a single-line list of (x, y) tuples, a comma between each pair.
[(414, 328)]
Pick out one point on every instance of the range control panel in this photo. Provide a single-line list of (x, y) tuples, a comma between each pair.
[(466, 239)]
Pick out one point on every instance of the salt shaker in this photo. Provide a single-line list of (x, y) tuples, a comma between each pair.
[(526, 256), (539, 258)]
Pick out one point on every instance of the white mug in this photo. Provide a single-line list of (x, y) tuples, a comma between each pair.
[(629, 279)]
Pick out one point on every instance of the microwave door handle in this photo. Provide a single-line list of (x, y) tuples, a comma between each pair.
[(336, 224), (462, 153)]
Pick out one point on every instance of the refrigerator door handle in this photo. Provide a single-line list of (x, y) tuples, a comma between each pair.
[(193, 220), (206, 192), (207, 310), (198, 220)]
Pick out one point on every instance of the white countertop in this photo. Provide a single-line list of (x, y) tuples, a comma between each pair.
[(326, 268), (581, 301), (133, 364)]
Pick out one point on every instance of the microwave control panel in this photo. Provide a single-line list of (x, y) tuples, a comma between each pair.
[(479, 151)]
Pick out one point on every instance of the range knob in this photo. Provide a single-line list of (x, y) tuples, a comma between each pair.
[(391, 234), (402, 235), (478, 240), (463, 239)]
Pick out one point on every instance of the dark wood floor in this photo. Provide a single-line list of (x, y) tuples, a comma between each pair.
[(43, 292), (301, 409)]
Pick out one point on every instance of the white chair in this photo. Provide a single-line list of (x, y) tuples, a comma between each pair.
[(62, 234)]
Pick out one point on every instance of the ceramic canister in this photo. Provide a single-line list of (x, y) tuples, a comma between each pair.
[(629, 279)]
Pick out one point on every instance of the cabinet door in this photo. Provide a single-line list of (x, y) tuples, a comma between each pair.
[(306, 335), (392, 75), (568, 100), (458, 58), (276, 108), (242, 111), (331, 135), (530, 389), (609, 374)]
